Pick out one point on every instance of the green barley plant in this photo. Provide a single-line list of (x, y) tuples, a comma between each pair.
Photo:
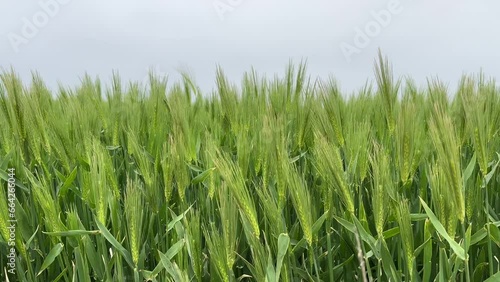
[(301, 200), (442, 133), (409, 136), (234, 180), (282, 178), (331, 167), (383, 190), (405, 227), (133, 204)]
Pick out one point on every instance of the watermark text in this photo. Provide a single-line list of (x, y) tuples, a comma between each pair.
[(373, 28), (32, 26), (11, 242), (222, 7)]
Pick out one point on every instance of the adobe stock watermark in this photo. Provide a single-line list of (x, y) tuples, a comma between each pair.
[(373, 28), (223, 7), (11, 242), (32, 26)]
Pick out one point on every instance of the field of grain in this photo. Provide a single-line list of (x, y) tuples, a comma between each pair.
[(279, 179)]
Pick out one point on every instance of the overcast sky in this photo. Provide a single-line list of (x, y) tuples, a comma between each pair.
[(63, 39)]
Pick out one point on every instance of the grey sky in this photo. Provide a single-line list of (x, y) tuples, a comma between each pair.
[(422, 38)]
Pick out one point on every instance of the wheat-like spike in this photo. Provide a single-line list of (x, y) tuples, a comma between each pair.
[(442, 133), (301, 199), (217, 257), (404, 222), (235, 181), (331, 168), (383, 187), (167, 172), (133, 212), (4, 213), (229, 220)]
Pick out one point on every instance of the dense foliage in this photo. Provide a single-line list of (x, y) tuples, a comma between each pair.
[(282, 179)]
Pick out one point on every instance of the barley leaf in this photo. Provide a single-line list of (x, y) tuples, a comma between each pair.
[(202, 176), (54, 252), (457, 249), (112, 240), (283, 243), (494, 278), (73, 233), (67, 183)]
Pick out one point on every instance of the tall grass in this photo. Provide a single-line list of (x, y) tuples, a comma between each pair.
[(287, 180)]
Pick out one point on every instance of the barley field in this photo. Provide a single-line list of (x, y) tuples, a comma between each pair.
[(277, 179)]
